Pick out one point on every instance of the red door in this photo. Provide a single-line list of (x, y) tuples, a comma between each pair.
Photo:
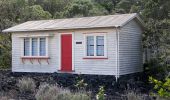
[(66, 52)]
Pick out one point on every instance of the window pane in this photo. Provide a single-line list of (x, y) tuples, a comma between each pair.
[(34, 47), (100, 45), (90, 45), (42, 47), (26, 47)]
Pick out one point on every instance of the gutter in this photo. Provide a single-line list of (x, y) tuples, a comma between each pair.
[(117, 53)]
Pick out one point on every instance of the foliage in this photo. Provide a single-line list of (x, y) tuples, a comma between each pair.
[(81, 85), (80, 96), (54, 7), (36, 12), (4, 96), (5, 51), (79, 8), (156, 37), (53, 92), (162, 87), (48, 92), (155, 69), (131, 95), (26, 85), (71, 96), (100, 95)]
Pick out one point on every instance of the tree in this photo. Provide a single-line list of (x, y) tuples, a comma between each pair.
[(5, 51), (79, 8), (157, 34), (13, 12), (54, 6), (83, 8), (109, 5), (157, 38), (36, 12)]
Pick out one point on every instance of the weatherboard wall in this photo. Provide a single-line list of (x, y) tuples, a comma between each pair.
[(17, 52), (81, 66), (96, 66), (130, 48)]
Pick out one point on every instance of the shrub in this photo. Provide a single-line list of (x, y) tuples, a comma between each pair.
[(48, 92), (4, 96), (73, 96), (157, 97), (162, 87), (26, 85), (63, 96), (80, 96), (131, 95), (81, 85), (100, 95), (53, 92)]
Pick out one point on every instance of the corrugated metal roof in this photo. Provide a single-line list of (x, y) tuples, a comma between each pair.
[(75, 23)]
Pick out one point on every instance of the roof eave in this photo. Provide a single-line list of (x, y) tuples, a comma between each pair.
[(54, 29)]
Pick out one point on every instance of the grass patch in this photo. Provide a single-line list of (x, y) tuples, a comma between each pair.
[(54, 92), (26, 85)]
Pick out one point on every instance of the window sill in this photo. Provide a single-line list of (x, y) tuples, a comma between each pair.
[(36, 57), (95, 58), (33, 58)]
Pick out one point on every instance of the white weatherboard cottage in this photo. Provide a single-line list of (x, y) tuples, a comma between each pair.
[(102, 45)]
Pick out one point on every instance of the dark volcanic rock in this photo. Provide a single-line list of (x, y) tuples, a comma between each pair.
[(113, 89)]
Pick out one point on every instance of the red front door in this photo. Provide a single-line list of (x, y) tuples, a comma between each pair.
[(66, 52)]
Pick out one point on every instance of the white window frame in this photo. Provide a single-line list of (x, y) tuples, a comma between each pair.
[(30, 51), (95, 45)]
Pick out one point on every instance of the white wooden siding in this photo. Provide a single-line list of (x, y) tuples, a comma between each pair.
[(95, 66), (130, 48), (81, 66), (130, 53), (17, 51)]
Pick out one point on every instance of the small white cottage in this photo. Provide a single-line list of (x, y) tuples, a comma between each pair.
[(103, 45)]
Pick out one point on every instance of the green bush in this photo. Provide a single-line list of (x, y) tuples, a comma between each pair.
[(81, 85), (157, 97), (26, 85), (162, 87), (100, 95)]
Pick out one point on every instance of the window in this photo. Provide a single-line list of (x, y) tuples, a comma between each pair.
[(95, 45), (42, 47), (90, 46), (35, 47), (26, 47), (100, 45)]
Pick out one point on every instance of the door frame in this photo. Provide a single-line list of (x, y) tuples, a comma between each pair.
[(59, 50)]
